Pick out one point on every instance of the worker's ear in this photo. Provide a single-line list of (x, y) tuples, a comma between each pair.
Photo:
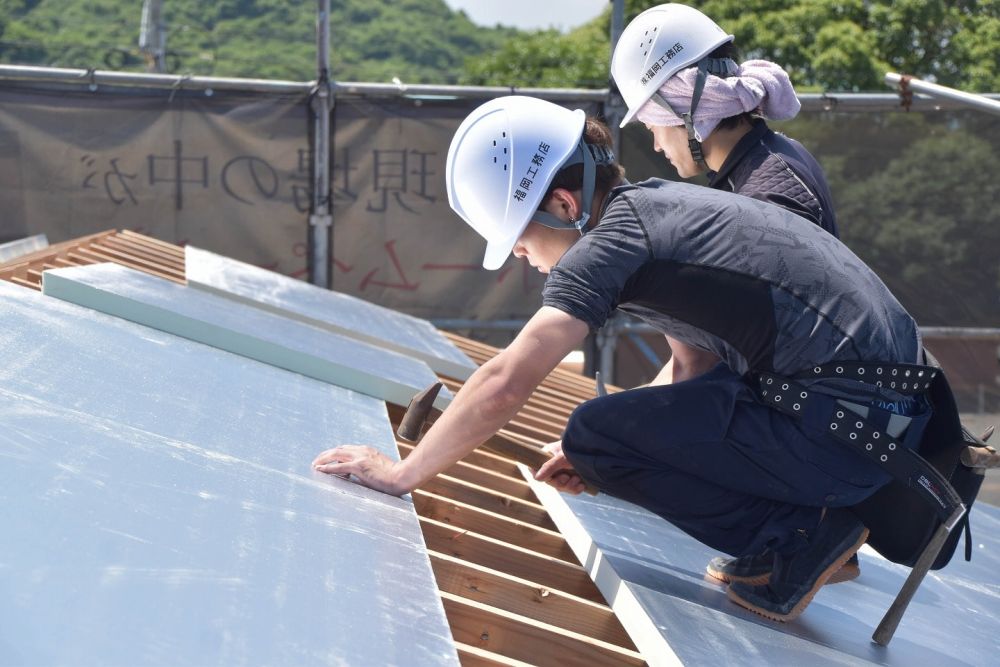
[(567, 204)]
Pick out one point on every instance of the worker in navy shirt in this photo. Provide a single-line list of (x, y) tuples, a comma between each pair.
[(754, 299), (676, 72)]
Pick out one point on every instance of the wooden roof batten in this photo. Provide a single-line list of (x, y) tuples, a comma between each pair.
[(512, 591)]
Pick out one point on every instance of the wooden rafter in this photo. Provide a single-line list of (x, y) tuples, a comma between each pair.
[(513, 592)]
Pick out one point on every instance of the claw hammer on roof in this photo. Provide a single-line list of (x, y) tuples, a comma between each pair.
[(419, 410)]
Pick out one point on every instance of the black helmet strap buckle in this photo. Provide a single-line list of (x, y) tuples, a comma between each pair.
[(590, 156)]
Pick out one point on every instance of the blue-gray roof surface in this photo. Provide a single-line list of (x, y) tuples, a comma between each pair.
[(159, 507), (243, 329), (654, 576), (338, 312)]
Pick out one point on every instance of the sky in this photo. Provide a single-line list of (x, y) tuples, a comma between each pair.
[(531, 14)]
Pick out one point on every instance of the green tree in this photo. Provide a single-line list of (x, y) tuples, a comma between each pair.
[(831, 45), (419, 41), (927, 222)]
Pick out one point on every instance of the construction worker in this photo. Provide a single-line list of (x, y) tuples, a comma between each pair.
[(783, 331), (676, 71)]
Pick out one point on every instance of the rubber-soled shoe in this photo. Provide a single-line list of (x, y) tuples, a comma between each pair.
[(849, 571), (756, 570), (797, 578), (752, 570)]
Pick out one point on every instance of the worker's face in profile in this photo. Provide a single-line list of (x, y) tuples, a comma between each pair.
[(673, 143), (542, 246)]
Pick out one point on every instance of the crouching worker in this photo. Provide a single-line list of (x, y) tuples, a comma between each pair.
[(783, 333)]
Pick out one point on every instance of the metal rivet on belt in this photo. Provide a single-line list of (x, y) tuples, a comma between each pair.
[(803, 395), (796, 406), (777, 398), (895, 372), (858, 424), (868, 446), (840, 414), (893, 385), (892, 446), (854, 436), (764, 392), (840, 369), (904, 385), (770, 380), (920, 374), (878, 371), (817, 370), (907, 373), (833, 426), (861, 371), (884, 458), (875, 435), (878, 384), (784, 387)]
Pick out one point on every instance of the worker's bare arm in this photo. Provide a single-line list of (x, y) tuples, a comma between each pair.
[(685, 362), (487, 401)]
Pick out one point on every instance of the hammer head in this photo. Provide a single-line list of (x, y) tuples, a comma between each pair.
[(417, 411)]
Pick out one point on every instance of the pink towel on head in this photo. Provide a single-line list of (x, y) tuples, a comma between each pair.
[(760, 85)]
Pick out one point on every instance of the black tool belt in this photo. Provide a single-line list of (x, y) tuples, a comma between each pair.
[(848, 421), (906, 379)]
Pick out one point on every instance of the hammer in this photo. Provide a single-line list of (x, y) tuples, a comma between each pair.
[(419, 409), (417, 412)]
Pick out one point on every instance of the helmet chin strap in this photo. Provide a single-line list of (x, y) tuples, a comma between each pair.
[(720, 67), (590, 156)]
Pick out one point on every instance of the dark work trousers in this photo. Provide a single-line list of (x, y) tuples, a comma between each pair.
[(710, 458)]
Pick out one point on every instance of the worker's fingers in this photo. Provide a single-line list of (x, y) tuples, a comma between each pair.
[(551, 467), (553, 448), (567, 482), (368, 465), (342, 453)]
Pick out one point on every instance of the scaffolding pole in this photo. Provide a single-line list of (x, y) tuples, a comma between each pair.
[(106, 79), (321, 220), (907, 84), (153, 36)]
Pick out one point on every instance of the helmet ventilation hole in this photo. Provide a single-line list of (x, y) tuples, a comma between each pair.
[(496, 155)]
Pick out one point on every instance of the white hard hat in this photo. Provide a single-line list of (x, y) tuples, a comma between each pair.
[(656, 45), (501, 162)]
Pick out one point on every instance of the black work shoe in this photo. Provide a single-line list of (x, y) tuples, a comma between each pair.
[(752, 570), (797, 578), (756, 570)]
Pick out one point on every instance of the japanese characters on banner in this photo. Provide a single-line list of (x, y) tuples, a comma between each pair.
[(226, 172), (396, 241), (231, 173)]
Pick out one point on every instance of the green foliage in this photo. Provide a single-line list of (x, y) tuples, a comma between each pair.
[(926, 218), (420, 41), (545, 59), (831, 45)]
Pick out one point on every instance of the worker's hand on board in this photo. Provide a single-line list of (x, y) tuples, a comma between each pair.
[(559, 472), (370, 466)]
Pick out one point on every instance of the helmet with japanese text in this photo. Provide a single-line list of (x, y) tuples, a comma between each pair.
[(657, 44), (502, 161)]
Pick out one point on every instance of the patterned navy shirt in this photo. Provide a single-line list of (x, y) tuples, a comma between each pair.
[(738, 277)]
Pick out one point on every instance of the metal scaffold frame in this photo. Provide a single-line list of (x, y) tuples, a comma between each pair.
[(913, 94)]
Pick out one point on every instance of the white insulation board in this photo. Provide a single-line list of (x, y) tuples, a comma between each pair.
[(654, 576), (242, 329), (340, 313), (160, 508)]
